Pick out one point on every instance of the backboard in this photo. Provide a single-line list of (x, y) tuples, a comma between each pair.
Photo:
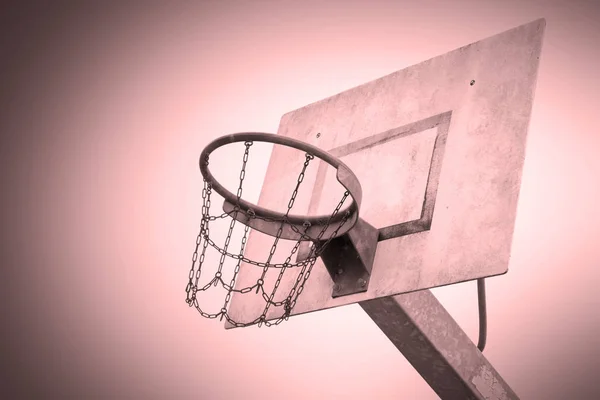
[(438, 148)]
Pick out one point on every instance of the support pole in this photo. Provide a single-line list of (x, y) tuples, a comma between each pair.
[(436, 346)]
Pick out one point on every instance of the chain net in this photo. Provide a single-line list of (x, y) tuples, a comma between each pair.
[(204, 241)]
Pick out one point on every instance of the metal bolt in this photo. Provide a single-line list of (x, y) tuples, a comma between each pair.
[(336, 287), (362, 282), (472, 82), (318, 135), (340, 271)]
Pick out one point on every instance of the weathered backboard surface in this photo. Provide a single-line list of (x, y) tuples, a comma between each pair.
[(438, 148)]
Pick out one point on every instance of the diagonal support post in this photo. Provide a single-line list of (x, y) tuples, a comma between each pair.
[(437, 347)]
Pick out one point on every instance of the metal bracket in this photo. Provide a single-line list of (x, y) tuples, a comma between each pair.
[(482, 314), (349, 258)]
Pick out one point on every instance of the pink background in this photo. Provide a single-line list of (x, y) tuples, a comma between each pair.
[(105, 110)]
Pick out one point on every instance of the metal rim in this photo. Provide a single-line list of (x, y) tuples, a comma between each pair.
[(344, 175)]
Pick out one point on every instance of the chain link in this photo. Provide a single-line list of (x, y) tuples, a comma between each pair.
[(203, 240)]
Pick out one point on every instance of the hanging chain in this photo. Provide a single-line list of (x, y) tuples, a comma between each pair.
[(269, 299), (203, 239)]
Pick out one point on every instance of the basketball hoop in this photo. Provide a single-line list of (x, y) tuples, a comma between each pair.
[(318, 231)]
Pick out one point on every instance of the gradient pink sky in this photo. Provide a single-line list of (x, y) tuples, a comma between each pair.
[(105, 111)]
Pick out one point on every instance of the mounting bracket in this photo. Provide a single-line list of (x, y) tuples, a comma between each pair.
[(349, 258)]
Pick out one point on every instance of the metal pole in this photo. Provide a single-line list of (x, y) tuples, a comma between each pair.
[(431, 340), (482, 314)]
